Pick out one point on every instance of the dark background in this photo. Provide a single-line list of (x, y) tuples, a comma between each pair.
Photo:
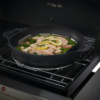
[(81, 15)]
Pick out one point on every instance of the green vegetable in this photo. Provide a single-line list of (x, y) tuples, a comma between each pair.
[(70, 42), (45, 39), (39, 35), (40, 45), (54, 41), (35, 53), (32, 41), (42, 54), (64, 50), (52, 35), (27, 51), (25, 45), (18, 48)]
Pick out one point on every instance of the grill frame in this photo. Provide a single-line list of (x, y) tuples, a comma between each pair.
[(72, 81), (45, 79)]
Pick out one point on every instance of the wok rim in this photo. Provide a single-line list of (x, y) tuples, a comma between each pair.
[(51, 27)]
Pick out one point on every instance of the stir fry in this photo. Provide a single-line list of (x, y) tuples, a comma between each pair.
[(50, 45)]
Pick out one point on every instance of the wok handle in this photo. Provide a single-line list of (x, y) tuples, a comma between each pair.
[(9, 33), (88, 46)]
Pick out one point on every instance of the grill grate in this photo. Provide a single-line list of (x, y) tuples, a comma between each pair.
[(59, 79)]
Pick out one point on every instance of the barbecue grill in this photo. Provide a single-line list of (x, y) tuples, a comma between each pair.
[(65, 81)]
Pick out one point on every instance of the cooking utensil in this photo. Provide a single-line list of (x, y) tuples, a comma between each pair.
[(46, 61)]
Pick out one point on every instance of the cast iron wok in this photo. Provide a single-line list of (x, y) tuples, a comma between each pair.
[(46, 61)]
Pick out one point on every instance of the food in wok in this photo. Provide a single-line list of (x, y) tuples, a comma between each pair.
[(49, 45)]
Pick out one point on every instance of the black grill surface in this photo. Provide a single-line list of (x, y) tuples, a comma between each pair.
[(59, 79)]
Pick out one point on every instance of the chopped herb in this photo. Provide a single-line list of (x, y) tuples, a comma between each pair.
[(64, 50), (35, 53), (39, 35), (32, 41), (70, 42), (25, 45), (54, 41), (45, 39), (27, 51), (40, 45), (18, 48), (49, 35), (52, 35), (42, 54)]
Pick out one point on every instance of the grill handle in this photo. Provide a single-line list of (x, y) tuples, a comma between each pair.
[(87, 47), (9, 33)]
